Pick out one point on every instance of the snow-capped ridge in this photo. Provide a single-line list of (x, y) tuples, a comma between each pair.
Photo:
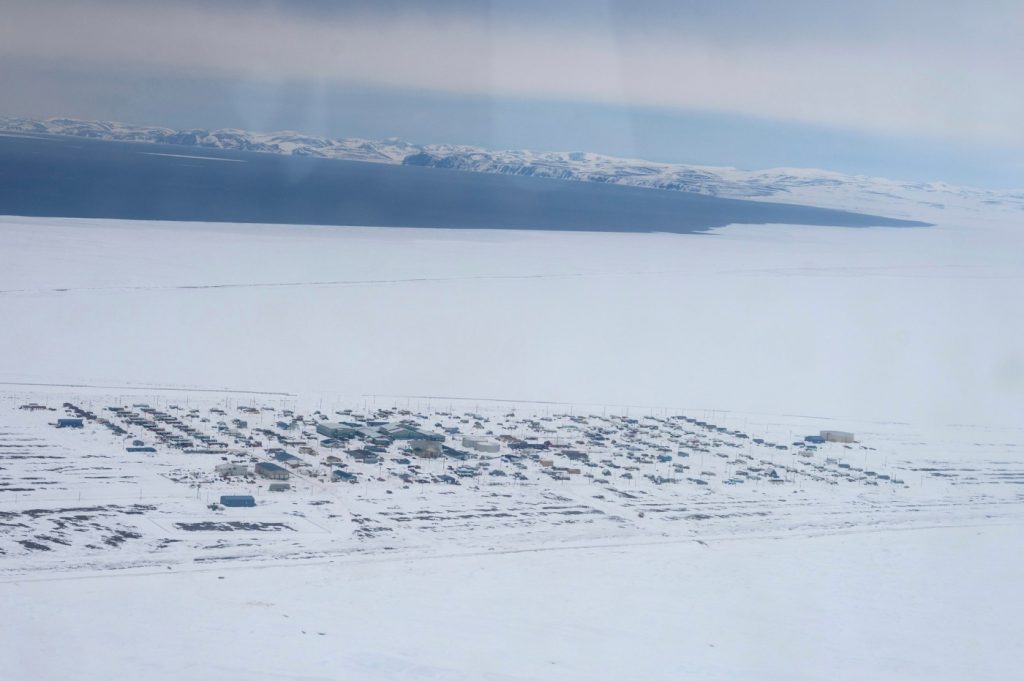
[(802, 185)]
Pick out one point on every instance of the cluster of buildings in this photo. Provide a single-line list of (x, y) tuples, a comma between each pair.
[(78, 417), (452, 448), (168, 429)]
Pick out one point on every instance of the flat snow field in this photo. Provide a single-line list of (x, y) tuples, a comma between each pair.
[(908, 324), (933, 605)]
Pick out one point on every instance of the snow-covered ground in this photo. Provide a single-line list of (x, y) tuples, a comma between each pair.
[(781, 563), (917, 325), (933, 605), (77, 498), (908, 337)]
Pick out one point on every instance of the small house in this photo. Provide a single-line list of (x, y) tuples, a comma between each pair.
[(364, 456)]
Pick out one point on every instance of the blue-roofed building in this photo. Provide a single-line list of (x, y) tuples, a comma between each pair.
[(69, 423), (237, 500)]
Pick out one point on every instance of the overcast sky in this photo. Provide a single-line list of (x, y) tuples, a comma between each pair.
[(914, 89)]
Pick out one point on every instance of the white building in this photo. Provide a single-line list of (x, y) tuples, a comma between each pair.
[(837, 436), (229, 469), (481, 444)]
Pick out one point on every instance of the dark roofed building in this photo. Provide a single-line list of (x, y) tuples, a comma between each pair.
[(272, 471), (344, 475)]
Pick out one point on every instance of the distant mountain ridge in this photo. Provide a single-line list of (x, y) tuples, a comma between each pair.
[(807, 186)]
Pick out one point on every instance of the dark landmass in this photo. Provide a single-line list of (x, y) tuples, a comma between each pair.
[(53, 176)]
